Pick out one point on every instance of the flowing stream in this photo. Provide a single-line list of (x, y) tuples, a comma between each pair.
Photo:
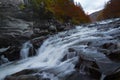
[(53, 50)]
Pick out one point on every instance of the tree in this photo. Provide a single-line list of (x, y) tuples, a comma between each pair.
[(68, 11), (62, 10), (111, 10)]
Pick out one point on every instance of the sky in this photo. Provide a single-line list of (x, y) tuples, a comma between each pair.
[(91, 6)]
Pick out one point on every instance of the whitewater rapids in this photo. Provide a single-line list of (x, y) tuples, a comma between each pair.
[(52, 51)]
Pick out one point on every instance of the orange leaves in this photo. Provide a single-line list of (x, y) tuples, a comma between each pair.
[(68, 11), (63, 10), (111, 10)]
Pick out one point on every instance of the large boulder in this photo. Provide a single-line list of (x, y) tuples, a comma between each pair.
[(22, 77), (112, 50)]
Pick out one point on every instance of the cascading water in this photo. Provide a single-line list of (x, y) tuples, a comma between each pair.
[(53, 50), (2, 58), (25, 50)]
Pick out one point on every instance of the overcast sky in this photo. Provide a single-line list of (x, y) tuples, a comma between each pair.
[(91, 6)]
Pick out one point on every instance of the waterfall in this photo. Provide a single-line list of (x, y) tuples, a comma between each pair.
[(25, 50), (53, 50), (50, 53), (102, 77), (3, 59)]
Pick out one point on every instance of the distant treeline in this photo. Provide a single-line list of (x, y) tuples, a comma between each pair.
[(62, 10), (111, 10)]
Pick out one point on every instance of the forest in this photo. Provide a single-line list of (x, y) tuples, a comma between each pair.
[(111, 10)]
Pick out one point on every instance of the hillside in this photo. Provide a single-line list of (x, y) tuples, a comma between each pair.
[(111, 10), (94, 15)]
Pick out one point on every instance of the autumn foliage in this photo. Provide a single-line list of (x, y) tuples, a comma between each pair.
[(62, 10), (111, 10)]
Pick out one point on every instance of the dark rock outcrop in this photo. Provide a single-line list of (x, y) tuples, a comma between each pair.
[(22, 77), (112, 51), (114, 76)]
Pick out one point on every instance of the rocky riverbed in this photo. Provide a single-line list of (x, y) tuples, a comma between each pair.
[(88, 52)]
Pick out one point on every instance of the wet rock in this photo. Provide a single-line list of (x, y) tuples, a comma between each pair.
[(4, 49), (32, 52), (27, 77), (3, 60), (71, 50), (52, 28), (109, 46), (112, 51), (39, 33), (60, 27), (38, 41), (45, 79), (10, 78), (115, 55), (24, 72), (88, 67), (2, 57), (12, 53), (105, 51), (6, 41), (22, 77), (64, 58), (94, 73), (27, 74), (114, 76), (78, 76), (44, 33), (14, 31), (79, 63)]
